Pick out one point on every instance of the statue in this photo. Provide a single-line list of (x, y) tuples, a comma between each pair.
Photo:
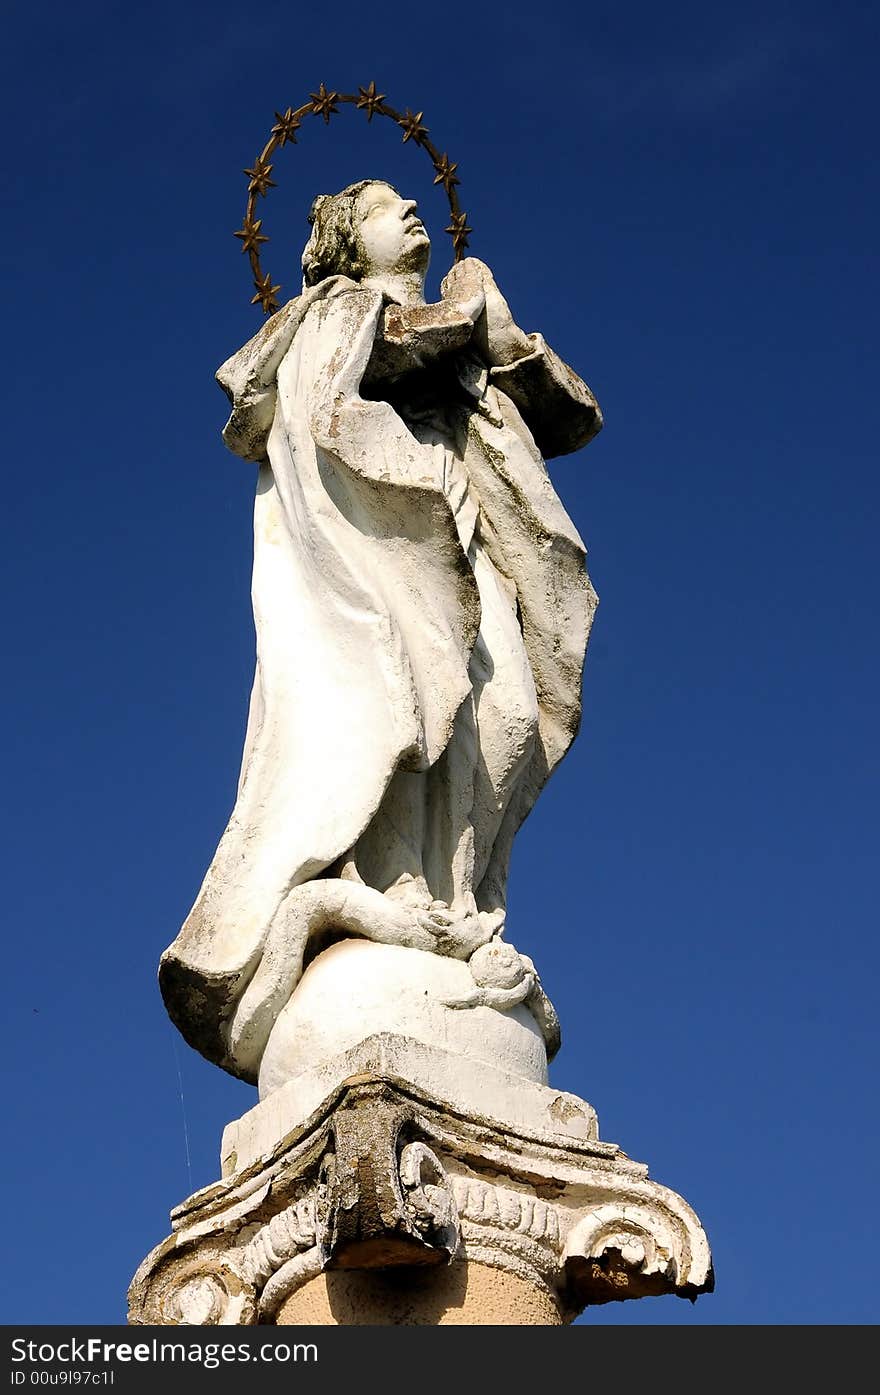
[(422, 612)]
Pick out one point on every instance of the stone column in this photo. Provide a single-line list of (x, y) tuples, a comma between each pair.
[(464, 1295)]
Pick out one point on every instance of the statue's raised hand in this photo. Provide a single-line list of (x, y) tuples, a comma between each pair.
[(464, 286), (497, 337)]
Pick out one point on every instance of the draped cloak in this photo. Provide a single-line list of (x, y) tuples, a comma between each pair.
[(366, 613)]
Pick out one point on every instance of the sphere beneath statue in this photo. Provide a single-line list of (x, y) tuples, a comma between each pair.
[(357, 989)]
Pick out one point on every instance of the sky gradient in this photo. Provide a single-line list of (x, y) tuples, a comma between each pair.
[(684, 202)]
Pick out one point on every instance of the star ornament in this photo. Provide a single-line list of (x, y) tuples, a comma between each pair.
[(260, 183), (250, 235), (324, 103), (412, 126), (265, 294), (459, 229), (369, 100), (286, 126), (445, 173)]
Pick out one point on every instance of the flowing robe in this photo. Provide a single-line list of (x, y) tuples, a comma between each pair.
[(382, 530)]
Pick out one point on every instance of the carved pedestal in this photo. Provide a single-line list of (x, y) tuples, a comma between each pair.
[(391, 1186)]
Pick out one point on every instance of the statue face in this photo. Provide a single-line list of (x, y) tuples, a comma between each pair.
[(390, 237)]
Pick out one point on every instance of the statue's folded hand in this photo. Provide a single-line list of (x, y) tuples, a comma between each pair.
[(497, 336), (463, 285)]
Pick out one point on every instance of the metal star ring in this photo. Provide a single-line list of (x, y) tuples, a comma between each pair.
[(325, 104)]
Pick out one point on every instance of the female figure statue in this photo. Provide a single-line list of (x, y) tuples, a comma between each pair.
[(421, 610)]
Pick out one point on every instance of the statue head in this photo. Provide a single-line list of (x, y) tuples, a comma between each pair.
[(366, 230)]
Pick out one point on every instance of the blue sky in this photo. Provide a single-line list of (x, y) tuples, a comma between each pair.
[(683, 199)]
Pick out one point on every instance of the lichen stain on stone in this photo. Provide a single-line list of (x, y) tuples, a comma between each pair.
[(564, 1110)]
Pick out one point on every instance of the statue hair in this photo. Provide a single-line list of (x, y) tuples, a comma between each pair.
[(332, 248)]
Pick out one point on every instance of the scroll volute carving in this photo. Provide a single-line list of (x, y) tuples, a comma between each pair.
[(627, 1251)]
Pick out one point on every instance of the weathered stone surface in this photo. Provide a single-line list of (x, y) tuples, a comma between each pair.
[(381, 1173), (498, 1097), (422, 610), (357, 989), (466, 1294)]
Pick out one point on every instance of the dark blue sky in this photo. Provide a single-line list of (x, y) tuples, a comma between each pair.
[(683, 199)]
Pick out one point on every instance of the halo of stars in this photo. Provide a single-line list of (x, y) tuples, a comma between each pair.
[(325, 104)]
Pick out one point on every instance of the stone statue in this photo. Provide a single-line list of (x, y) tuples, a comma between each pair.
[(422, 612)]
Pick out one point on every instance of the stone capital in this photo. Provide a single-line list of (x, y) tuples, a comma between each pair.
[(390, 1159)]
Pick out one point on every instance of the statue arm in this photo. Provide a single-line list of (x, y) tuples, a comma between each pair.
[(366, 434), (556, 405), (409, 337)]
